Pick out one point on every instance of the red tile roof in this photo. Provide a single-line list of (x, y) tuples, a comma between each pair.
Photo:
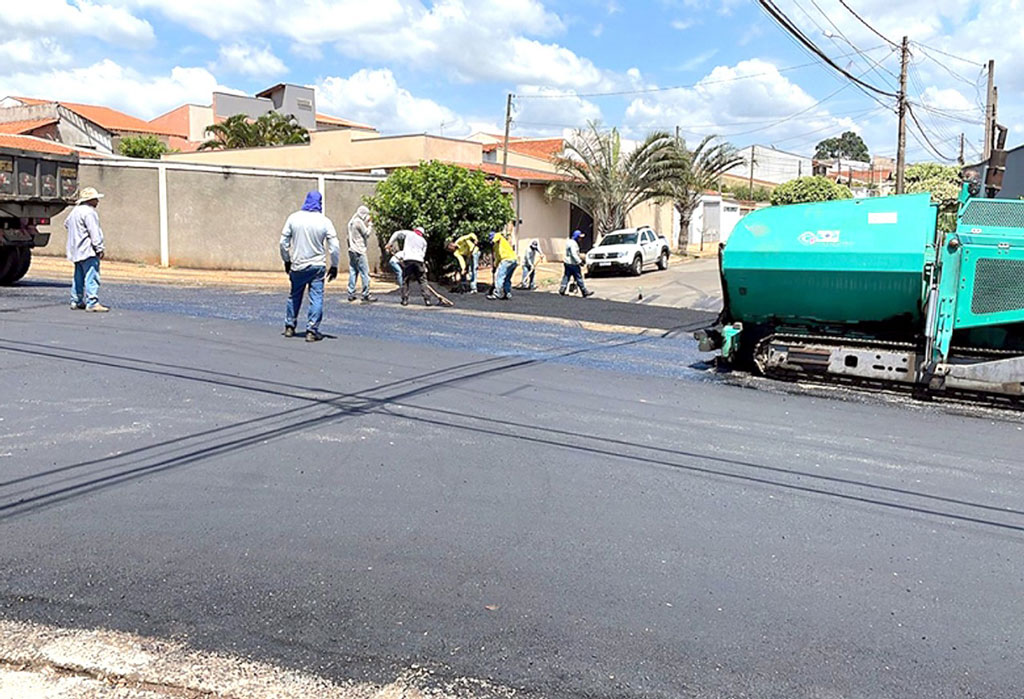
[(25, 125), (337, 121), (31, 143), (544, 148), (108, 118), (516, 173)]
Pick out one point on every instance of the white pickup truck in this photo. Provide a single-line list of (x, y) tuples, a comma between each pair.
[(628, 249)]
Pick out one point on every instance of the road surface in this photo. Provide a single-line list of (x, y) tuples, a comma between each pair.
[(556, 511)]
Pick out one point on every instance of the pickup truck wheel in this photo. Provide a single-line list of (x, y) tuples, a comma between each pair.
[(663, 260), (10, 260), (21, 269), (637, 268)]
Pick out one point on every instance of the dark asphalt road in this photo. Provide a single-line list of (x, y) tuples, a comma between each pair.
[(637, 527)]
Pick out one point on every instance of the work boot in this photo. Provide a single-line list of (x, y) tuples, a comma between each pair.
[(428, 302), (561, 292), (313, 335), (405, 302), (491, 297), (587, 293), (97, 308), (78, 306), (289, 331), (351, 298), (369, 298)]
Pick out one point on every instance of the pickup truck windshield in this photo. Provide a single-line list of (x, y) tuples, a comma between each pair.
[(619, 239)]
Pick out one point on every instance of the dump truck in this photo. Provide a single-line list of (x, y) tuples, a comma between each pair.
[(870, 290), (34, 187)]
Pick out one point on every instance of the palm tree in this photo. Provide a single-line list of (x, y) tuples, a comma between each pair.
[(608, 184), (705, 165), (271, 129)]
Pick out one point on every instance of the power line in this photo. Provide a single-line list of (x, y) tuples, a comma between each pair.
[(700, 83), (931, 146), (864, 22), (787, 24), (951, 55)]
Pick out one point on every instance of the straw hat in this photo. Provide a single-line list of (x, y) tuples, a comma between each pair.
[(88, 194)]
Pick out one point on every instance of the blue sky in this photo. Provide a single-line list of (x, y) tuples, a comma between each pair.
[(410, 66)]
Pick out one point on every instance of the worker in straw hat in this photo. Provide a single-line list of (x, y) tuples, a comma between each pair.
[(85, 250)]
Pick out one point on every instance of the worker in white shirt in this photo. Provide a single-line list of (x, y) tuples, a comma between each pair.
[(414, 267), (574, 266), (85, 250)]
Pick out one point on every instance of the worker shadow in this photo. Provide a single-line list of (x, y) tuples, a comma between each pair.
[(320, 408)]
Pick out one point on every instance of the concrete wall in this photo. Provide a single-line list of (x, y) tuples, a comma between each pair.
[(771, 165), (658, 216), (226, 105), (547, 222), (224, 219), (129, 214), (297, 101)]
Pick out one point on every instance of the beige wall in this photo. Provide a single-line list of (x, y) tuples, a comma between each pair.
[(338, 150), (654, 214), (129, 214), (216, 220), (545, 221)]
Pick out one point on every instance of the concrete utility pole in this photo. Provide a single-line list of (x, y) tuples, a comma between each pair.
[(508, 125), (990, 112), (901, 144), (960, 160), (751, 195)]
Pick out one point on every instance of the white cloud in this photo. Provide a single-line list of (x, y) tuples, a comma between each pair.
[(244, 59), (83, 18), (113, 85), (682, 24), (697, 61), (549, 112), (18, 54), (374, 97)]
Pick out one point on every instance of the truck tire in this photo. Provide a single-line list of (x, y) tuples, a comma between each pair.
[(637, 268), (663, 260), (9, 261), (20, 270)]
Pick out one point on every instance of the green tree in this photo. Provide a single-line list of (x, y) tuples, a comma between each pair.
[(239, 131), (447, 201), (147, 146), (742, 191), (849, 145), (704, 165), (942, 182), (809, 189), (607, 183)]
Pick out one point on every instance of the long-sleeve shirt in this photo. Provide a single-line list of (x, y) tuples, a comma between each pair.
[(358, 234), (415, 247), (466, 245), (503, 249), (572, 253), (305, 236), (396, 238), (85, 237)]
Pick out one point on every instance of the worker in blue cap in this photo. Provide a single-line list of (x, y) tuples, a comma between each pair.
[(574, 266)]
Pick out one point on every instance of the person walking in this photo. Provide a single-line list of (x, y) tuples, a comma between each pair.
[(530, 260), (414, 251), (308, 237), (467, 253), (505, 264), (573, 266), (85, 250), (359, 229)]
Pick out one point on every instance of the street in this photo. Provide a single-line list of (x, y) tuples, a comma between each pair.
[(556, 510)]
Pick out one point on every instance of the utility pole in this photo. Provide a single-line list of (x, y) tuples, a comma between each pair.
[(990, 112), (751, 195), (508, 125), (960, 160), (901, 144)]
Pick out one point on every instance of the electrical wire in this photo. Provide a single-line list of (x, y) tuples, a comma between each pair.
[(931, 146), (865, 23), (951, 55), (787, 24)]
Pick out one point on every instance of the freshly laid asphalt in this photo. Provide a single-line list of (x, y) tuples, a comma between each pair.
[(564, 512)]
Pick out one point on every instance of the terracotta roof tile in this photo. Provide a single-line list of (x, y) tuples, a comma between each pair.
[(337, 121), (108, 118), (31, 143), (544, 148), (516, 173), (25, 125)]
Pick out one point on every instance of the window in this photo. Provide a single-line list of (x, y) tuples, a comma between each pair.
[(619, 239), (647, 237), (304, 104), (731, 209)]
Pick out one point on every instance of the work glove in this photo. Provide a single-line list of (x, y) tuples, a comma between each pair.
[(287, 267), (332, 274)]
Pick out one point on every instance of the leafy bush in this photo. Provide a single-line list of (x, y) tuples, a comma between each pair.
[(808, 189), (742, 191), (447, 201), (147, 146)]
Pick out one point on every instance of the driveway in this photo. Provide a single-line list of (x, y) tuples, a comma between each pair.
[(687, 283)]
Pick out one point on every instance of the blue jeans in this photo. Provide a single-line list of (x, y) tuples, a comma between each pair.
[(87, 280), (313, 277), (574, 272), (358, 266), (396, 267), (529, 274), (503, 277), (473, 265)]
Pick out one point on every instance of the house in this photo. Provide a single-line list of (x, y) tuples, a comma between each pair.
[(771, 165), (78, 126)]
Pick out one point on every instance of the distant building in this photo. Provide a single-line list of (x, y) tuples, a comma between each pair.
[(772, 165)]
